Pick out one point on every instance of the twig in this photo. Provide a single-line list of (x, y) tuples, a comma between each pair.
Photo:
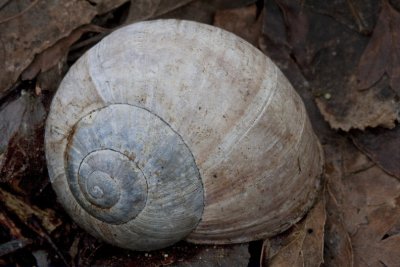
[(20, 13), (13, 245), (6, 2), (358, 18), (36, 226)]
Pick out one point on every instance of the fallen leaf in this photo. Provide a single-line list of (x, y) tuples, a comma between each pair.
[(320, 55), (366, 200), (203, 11), (297, 30), (200, 11), (378, 70), (338, 249), (355, 109), (145, 9), (382, 146), (241, 21), (382, 55), (304, 245), (354, 14), (178, 255), (21, 144), (52, 55), (372, 244), (104, 6), (289, 28), (233, 255), (39, 25)]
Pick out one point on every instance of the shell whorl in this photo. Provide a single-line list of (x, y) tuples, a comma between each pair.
[(125, 164)]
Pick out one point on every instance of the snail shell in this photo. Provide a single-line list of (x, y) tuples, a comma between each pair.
[(170, 130)]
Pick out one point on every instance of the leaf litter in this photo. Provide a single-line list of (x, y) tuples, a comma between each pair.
[(325, 52)]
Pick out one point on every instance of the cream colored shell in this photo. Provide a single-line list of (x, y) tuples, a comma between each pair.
[(172, 129)]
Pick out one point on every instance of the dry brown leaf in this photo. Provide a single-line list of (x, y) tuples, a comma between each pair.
[(275, 44), (104, 6), (145, 9), (304, 245), (382, 146), (179, 255), (25, 211), (366, 200), (379, 70), (235, 255), (372, 244), (373, 210), (241, 21), (382, 55), (21, 143), (34, 28), (360, 109), (320, 55), (289, 28), (338, 248), (297, 29), (52, 55)]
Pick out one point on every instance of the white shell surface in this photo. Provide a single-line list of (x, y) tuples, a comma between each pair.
[(246, 128)]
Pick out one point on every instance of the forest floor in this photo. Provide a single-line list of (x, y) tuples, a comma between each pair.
[(342, 57)]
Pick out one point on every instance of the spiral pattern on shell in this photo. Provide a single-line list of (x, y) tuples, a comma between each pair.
[(170, 130), (123, 159)]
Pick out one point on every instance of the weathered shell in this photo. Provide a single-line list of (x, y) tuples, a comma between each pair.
[(171, 129)]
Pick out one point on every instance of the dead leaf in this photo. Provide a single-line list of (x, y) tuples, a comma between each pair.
[(21, 144), (353, 14), (145, 9), (382, 146), (52, 55), (382, 55), (354, 109), (275, 44), (304, 245), (203, 11), (200, 11), (233, 255), (297, 29), (372, 244), (289, 28), (104, 6), (179, 255), (379, 71), (320, 55), (10, 11), (367, 201), (241, 21), (36, 27), (338, 249), (372, 210)]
